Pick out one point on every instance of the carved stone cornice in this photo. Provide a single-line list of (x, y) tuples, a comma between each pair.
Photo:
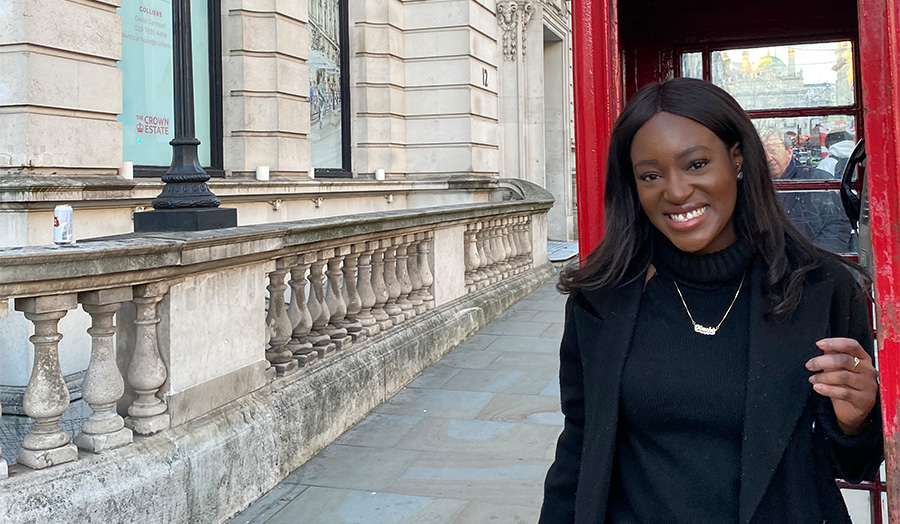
[(560, 8), (512, 15)]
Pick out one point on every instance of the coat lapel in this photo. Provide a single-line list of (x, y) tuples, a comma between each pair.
[(604, 339), (777, 384)]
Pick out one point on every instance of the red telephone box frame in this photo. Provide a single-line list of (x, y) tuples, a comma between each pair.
[(598, 99), (879, 40)]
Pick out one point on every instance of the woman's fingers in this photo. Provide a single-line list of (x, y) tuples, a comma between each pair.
[(833, 361), (861, 400), (839, 352), (842, 345), (843, 378), (845, 374)]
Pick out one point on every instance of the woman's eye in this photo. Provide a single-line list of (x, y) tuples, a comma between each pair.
[(648, 177), (698, 164)]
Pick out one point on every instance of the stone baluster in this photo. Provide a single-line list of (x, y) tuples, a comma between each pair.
[(103, 384), (496, 255), (508, 250), (403, 278), (379, 286), (524, 243), (147, 372), (521, 240), (515, 249), (364, 284), (335, 300), (491, 248), (501, 249), (501, 270), (525, 235), (415, 274), (278, 321), (299, 314), (393, 285), (425, 270), (518, 258), (471, 258), (318, 309), (484, 264), (46, 396), (351, 295)]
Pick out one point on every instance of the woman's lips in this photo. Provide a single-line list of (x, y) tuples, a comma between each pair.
[(686, 220)]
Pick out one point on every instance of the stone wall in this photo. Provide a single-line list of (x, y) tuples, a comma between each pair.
[(435, 91), (61, 91)]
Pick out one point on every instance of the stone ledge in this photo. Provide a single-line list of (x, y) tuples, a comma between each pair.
[(38, 191), (209, 469), (146, 257)]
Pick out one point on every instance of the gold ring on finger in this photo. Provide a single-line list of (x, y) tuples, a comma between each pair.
[(855, 363)]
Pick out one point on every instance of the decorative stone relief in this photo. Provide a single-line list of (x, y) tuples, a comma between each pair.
[(558, 7), (511, 15)]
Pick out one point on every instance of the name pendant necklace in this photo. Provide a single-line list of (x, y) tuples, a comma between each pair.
[(700, 328)]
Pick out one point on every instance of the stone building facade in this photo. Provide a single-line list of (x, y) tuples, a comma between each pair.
[(443, 96), (435, 90)]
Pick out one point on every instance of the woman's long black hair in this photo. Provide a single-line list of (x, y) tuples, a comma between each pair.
[(624, 253)]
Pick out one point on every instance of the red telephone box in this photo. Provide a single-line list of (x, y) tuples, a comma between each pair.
[(622, 45)]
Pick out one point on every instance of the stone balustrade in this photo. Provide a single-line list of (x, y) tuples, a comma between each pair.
[(181, 324)]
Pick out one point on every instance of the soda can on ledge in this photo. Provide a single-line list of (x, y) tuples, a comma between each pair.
[(62, 224)]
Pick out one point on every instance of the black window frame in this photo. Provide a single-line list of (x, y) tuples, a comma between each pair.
[(346, 169), (216, 169)]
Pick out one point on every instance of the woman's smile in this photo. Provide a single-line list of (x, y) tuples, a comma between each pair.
[(686, 220)]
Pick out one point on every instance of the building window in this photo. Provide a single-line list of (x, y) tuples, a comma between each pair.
[(148, 104), (329, 114)]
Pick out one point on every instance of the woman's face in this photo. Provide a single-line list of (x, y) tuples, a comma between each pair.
[(686, 181)]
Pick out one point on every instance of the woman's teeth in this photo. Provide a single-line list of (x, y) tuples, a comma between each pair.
[(684, 217)]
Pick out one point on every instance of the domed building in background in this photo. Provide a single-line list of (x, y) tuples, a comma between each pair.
[(769, 83)]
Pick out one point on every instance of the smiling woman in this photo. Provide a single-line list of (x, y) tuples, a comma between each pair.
[(697, 381)]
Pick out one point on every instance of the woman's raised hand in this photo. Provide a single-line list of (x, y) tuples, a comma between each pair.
[(846, 374)]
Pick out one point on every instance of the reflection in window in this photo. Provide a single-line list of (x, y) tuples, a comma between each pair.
[(820, 216), (325, 104), (692, 65), (804, 75), (820, 145)]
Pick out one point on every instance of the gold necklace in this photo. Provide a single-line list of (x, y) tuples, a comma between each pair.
[(700, 328)]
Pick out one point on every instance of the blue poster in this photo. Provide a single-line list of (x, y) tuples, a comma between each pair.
[(148, 104)]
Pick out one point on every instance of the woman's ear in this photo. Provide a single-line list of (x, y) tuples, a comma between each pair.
[(737, 157)]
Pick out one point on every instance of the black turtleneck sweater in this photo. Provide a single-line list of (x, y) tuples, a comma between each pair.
[(681, 411)]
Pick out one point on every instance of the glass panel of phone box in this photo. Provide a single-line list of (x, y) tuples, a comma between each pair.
[(800, 148)]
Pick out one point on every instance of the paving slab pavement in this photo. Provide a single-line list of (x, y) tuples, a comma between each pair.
[(467, 442)]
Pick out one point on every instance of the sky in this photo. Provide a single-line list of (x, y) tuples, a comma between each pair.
[(816, 60)]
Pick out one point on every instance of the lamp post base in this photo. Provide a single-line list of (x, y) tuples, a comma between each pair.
[(189, 219)]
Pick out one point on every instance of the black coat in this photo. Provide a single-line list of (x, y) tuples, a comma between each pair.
[(819, 215), (792, 450)]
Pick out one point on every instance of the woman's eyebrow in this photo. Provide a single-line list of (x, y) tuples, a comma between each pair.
[(679, 156), (649, 161), (690, 151)]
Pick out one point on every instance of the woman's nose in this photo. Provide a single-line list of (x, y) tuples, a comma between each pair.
[(678, 189)]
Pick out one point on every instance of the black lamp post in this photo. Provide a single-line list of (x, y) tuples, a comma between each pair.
[(186, 202)]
